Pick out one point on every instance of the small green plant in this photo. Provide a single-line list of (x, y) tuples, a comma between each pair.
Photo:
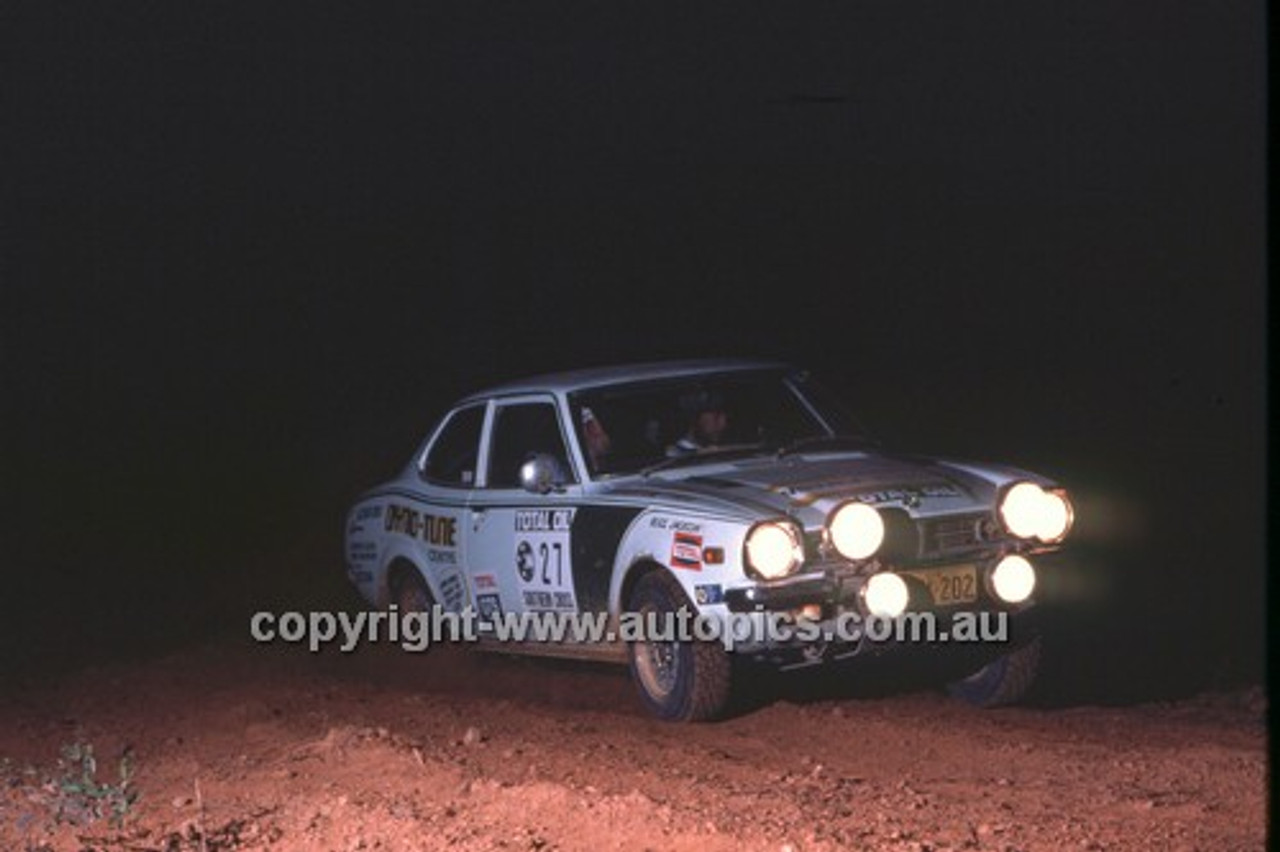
[(81, 798)]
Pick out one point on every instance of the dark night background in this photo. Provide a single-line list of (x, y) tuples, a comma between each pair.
[(249, 255)]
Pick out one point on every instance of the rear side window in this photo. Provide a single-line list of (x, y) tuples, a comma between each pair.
[(455, 451)]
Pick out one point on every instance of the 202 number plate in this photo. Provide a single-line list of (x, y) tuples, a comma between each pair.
[(957, 584)]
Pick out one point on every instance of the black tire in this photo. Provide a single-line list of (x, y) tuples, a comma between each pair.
[(677, 681), (1002, 681)]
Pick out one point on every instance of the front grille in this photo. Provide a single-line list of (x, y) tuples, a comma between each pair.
[(813, 549), (945, 535), (907, 541)]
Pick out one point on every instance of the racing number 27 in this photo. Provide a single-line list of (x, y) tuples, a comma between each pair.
[(545, 552)]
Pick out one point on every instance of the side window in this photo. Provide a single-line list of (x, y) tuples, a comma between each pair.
[(519, 431), (455, 451)]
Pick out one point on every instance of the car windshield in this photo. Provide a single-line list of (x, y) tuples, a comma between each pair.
[(635, 427)]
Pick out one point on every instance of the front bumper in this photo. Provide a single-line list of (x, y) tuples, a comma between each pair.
[(833, 600), (839, 587), (827, 590)]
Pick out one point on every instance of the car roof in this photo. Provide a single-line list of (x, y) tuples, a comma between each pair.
[(574, 380)]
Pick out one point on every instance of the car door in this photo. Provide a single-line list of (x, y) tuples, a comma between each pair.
[(519, 546)]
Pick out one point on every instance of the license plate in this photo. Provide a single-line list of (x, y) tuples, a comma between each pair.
[(957, 584)]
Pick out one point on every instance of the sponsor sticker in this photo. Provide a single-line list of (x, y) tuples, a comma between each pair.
[(662, 522), (438, 530), (711, 593), (451, 591), (686, 551), (489, 608)]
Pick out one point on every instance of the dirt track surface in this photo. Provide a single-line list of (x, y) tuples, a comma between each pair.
[(254, 748)]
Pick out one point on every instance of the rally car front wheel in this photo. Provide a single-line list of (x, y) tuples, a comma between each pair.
[(681, 681), (1002, 681)]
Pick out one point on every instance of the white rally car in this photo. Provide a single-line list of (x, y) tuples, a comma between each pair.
[(720, 489)]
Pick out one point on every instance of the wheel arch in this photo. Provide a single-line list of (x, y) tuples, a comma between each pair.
[(397, 568), (644, 546), (638, 568)]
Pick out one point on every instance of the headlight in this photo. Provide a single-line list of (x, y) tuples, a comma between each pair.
[(1013, 579), (1028, 511), (856, 530), (773, 550), (885, 595)]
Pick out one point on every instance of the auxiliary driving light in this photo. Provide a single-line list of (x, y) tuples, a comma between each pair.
[(856, 530), (1057, 517), (1028, 511), (1013, 579), (773, 550), (885, 595)]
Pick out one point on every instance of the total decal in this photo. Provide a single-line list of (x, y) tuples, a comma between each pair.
[(544, 559)]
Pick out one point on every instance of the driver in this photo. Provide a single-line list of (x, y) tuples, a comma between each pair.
[(707, 423), (596, 440)]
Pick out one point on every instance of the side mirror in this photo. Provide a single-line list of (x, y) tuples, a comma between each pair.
[(541, 474)]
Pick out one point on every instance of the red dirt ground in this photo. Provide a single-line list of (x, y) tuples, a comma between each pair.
[(239, 748)]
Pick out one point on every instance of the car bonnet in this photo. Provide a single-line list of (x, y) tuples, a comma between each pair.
[(808, 487)]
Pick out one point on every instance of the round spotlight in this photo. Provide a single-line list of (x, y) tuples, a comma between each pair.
[(1013, 579), (773, 550), (1056, 517), (885, 595), (856, 530), (1028, 511)]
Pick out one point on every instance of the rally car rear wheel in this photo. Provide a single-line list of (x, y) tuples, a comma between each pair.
[(683, 681), (1002, 681), (411, 593)]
